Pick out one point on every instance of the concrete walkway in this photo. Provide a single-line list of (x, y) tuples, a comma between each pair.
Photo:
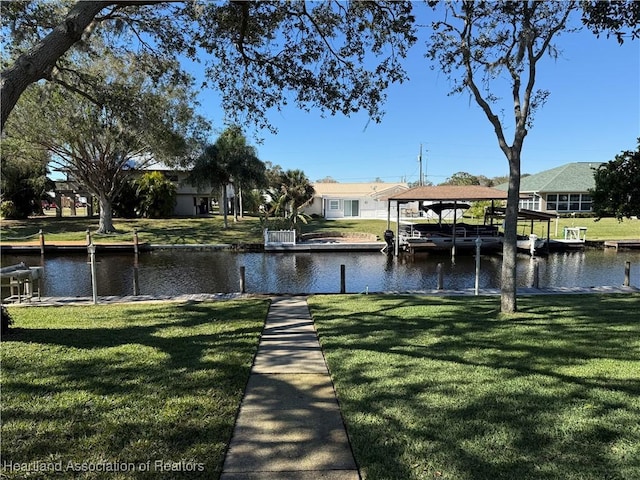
[(289, 426)]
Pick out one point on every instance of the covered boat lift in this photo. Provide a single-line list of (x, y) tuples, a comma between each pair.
[(451, 194)]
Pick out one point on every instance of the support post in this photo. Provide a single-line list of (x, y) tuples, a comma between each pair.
[(88, 237), (94, 285), (135, 241), (243, 288), (41, 242), (343, 286), (136, 281), (477, 285), (627, 274), (535, 280), (440, 276)]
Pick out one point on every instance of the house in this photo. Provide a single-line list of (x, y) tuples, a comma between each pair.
[(354, 200), (190, 200), (563, 189)]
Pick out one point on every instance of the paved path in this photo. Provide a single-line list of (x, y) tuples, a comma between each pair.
[(289, 426), (205, 297)]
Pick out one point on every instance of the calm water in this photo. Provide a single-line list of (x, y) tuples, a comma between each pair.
[(173, 272)]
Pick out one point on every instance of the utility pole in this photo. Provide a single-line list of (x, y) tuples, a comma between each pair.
[(420, 182)]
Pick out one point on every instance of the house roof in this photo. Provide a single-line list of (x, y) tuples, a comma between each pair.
[(469, 193), (377, 190), (568, 178)]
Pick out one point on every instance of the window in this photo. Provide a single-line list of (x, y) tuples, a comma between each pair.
[(574, 202), (334, 204), (531, 203)]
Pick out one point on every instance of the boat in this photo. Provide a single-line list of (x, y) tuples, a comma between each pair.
[(575, 238), (444, 237), (531, 243)]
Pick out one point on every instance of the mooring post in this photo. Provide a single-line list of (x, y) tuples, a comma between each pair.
[(94, 286), (135, 241), (243, 288), (440, 276), (343, 286), (535, 280), (41, 242), (627, 274), (477, 285), (136, 281)]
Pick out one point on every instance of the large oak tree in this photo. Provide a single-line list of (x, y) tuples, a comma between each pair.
[(259, 55), (490, 49)]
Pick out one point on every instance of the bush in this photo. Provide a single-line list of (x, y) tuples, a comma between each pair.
[(8, 209), (7, 321)]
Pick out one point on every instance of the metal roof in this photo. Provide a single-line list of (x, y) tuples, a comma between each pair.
[(469, 193)]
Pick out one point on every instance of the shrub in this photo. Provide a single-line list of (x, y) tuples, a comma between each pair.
[(7, 321)]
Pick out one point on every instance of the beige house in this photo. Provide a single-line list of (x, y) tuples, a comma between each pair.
[(190, 200), (354, 200)]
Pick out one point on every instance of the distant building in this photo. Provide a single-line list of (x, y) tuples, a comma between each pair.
[(563, 189), (354, 200)]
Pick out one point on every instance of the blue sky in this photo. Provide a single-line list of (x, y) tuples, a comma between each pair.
[(593, 114)]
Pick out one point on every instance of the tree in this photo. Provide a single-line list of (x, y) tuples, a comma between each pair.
[(479, 44), (613, 17), (292, 193), (327, 180), (617, 190), (138, 121), (462, 178), (156, 195), (230, 161), (261, 55), (24, 181)]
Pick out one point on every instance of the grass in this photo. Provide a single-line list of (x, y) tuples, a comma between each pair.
[(126, 384), (210, 230), (445, 388)]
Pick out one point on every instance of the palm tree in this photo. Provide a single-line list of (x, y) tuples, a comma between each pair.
[(230, 161), (297, 192)]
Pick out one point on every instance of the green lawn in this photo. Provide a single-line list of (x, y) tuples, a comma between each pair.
[(126, 384), (210, 230), (446, 388)]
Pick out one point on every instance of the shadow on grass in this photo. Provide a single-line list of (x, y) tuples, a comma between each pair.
[(159, 383), (443, 388)]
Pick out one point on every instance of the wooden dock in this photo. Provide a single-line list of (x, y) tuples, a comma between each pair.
[(69, 247), (622, 244)]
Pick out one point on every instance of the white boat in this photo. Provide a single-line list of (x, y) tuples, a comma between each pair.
[(531, 243), (574, 238)]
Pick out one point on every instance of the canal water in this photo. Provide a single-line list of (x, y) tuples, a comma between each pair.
[(174, 272)]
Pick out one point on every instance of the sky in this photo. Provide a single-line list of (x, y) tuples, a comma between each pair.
[(592, 114)]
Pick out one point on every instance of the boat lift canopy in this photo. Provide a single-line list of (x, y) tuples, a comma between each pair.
[(443, 193)]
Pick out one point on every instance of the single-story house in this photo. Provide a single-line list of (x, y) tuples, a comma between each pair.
[(563, 189), (333, 200)]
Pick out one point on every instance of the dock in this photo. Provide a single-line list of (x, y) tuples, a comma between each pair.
[(622, 244), (70, 247)]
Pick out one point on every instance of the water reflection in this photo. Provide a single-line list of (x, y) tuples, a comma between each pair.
[(172, 272)]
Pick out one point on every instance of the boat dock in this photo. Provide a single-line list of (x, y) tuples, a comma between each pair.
[(622, 244)]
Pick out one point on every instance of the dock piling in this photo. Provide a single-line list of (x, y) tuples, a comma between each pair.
[(627, 274), (41, 242), (243, 288), (440, 276), (343, 286)]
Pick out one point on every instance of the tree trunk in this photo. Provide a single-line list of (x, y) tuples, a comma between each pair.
[(106, 216), (39, 61), (508, 301), (225, 206)]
